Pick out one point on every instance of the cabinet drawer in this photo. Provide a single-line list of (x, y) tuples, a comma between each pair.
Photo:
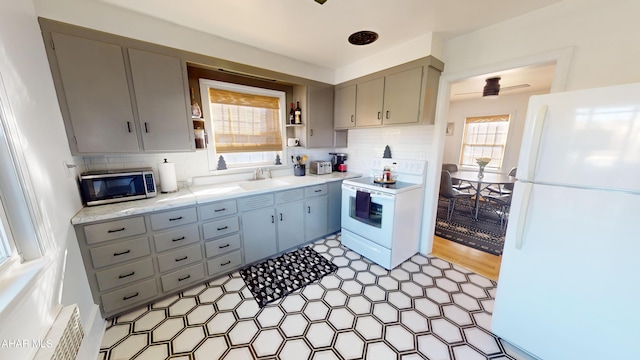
[(289, 195), (182, 277), (179, 258), (176, 238), (220, 228), (255, 202), (219, 209), (169, 219), (120, 252), (224, 262), (316, 190), (125, 274), (221, 246), (129, 295), (96, 233)]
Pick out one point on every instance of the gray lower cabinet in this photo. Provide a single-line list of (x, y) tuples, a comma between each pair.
[(134, 260), (290, 218), (334, 197), (315, 211), (259, 234)]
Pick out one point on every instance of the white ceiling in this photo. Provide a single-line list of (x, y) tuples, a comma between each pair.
[(539, 79), (317, 34)]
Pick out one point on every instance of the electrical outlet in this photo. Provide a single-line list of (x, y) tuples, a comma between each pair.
[(69, 169)]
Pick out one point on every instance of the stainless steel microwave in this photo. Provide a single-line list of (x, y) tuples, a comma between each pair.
[(111, 186)]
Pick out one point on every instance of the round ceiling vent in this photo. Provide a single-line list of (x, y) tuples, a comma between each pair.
[(363, 37)]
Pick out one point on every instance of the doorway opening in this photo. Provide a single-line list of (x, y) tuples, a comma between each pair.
[(463, 99)]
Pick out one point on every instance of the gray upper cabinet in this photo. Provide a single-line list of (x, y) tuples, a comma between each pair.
[(344, 115), (320, 117), (160, 97), (402, 93), (96, 92), (369, 101), (118, 95)]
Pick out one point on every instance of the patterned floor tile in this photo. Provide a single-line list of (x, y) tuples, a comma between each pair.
[(426, 308)]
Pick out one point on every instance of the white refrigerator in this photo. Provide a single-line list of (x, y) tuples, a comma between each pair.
[(569, 285)]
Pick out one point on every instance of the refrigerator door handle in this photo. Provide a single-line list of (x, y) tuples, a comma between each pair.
[(522, 216), (536, 136)]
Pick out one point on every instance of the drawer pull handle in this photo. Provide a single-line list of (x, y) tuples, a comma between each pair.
[(116, 230), (280, 216), (273, 219), (218, 210), (121, 253), (225, 264), (174, 219), (130, 296), (126, 275), (223, 228), (184, 278), (128, 126), (178, 239), (308, 209), (318, 190), (182, 258), (223, 246)]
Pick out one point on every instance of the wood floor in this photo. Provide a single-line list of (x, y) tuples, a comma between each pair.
[(475, 260)]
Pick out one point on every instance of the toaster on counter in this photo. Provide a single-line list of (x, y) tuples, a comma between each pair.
[(320, 167)]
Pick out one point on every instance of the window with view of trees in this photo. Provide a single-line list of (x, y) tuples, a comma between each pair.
[(484, 136)]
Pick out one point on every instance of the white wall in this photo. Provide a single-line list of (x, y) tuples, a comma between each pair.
[(33, 103), (606, 45), (516, 105)]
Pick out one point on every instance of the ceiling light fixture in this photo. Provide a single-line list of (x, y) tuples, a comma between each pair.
[(321, 1), (363, 37), (492, 88)]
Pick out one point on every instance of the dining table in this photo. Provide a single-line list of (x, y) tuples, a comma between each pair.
[(480, 183)]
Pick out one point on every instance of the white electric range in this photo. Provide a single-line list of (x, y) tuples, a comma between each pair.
[(389, 232)]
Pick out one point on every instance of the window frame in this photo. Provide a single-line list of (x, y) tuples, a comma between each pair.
[(469, 120), (205, 84)]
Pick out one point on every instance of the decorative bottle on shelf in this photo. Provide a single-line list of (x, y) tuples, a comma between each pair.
[(196, 112), (298, 113), (292, 115)]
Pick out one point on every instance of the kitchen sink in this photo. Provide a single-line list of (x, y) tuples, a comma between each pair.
[(262, 184)]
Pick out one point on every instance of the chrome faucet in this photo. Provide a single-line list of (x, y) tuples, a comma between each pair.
[(259, 173)]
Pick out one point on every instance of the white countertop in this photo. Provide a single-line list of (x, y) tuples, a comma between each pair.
[(201, 195)]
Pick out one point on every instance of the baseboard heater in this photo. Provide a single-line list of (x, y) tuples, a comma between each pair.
[(64, 338)]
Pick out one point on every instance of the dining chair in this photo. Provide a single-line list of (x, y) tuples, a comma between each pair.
[(504, 189), (502, 205), (448, 192), (457, 184)]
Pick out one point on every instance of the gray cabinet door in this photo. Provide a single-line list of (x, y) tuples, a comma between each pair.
[(344, 116), (369, 98), (319, 117), (96, 92), (259, 234), (315, 210), (290, 218), (158, 83), (335, 207), (402, 97)]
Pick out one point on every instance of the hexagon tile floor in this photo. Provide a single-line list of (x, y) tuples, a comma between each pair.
[(426, 308)]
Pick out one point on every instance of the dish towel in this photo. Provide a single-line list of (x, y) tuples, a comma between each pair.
[(363, 204)]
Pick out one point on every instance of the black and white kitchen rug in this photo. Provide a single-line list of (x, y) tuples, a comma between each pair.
[(280, 276)]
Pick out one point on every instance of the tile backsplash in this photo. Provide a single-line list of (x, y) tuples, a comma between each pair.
[(412, 142)]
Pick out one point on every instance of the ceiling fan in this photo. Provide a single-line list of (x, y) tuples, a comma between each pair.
[(492, 88)]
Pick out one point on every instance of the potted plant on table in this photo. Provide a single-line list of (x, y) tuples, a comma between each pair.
[(482, 162)]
